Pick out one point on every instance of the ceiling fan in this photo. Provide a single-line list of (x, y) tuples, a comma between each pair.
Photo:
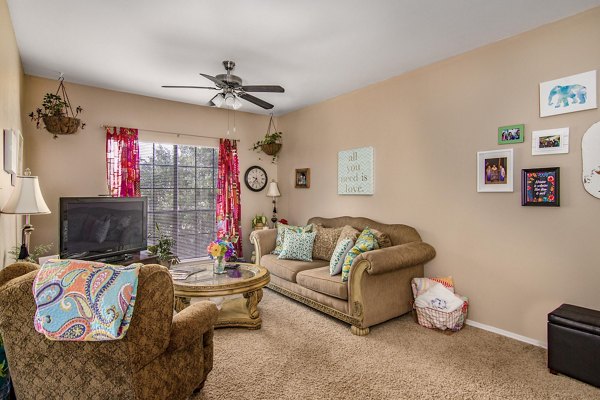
[(231, 88)]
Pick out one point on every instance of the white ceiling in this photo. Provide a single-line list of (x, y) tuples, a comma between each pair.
[(315, 49)]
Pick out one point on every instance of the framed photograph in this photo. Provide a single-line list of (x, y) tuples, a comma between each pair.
[(540, 187), (568, 94), (511, 134), (495, 171), (303, 178), (550, 141)]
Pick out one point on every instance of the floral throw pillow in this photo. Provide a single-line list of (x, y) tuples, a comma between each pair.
[(297, 246), (339, 254), (282, 229), (365, 242)]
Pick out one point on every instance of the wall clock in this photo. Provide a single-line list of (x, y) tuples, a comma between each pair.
[(256, 178)]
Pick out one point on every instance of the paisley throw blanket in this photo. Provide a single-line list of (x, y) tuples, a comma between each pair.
[(84, 300)]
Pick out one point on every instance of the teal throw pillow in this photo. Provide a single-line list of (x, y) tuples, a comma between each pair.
[(338, 256), (365, 242), (282, 229), (297, 246)]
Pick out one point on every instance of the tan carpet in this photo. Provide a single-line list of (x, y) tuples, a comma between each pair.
[(302, 354)]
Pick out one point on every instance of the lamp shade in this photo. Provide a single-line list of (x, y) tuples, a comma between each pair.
[(26, 198), (273, 190)]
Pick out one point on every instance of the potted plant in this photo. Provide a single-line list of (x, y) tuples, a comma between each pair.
[(34, 254), (57, 113), (271, 144), (162, 249), (259, 221)]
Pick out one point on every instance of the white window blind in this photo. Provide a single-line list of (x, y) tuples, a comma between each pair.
[(179, 182)]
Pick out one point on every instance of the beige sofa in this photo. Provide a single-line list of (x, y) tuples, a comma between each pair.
[(378, 288)]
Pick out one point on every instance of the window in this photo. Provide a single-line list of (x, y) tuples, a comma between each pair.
[(179, 182)]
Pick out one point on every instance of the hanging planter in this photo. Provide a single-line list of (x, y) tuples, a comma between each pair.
[(57, 114), (271, 144)]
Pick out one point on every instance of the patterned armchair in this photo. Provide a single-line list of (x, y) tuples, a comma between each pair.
[(161, 357)]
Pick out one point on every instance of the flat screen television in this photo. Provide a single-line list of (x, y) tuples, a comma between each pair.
[(94, 228)]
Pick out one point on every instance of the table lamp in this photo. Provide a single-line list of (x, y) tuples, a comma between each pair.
[(273, 192), (26, 199)]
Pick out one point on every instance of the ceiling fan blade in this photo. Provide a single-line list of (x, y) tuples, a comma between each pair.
[(219, 82), (190, 87), (264, 88), (256, 100)]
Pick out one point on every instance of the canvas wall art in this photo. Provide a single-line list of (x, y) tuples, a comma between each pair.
[(568, 94), (355, 171), (495, 171), (550, 141), (590, 154)]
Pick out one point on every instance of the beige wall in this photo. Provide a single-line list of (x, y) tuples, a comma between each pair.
[(11, 87), (75, 165), (515, 263)]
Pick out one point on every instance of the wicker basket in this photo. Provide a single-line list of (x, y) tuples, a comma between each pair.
[(271, 148), (432, 318), (61, 125)]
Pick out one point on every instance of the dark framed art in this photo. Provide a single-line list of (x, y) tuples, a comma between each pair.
[(540, 187), (303, 178)]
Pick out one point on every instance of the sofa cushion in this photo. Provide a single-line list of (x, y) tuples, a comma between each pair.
[(325, 242), (365, 242), (282, 229), (287, 269), (319, 280), (348, 232), (339, 255), (383, 239), (297, 246)]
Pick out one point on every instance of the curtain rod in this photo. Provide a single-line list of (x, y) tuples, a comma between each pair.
[(174, 133)]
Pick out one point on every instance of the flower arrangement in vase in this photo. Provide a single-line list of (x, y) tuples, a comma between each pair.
[(219, 250)]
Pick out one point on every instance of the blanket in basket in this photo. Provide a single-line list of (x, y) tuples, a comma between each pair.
[(84, 300)]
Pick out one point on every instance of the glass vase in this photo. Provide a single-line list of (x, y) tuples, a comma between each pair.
[(219, 266)]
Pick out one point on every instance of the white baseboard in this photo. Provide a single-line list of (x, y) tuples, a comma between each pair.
[(502, 332)]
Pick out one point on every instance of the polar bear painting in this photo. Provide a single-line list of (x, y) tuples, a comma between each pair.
[(590, 152)]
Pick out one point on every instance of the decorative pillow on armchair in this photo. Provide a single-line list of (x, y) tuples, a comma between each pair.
[(325, 242), (339, 254), (365, 242), (383, 239), (282, 229), (297, 246)]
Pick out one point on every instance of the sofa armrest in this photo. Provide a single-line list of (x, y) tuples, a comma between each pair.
[(191, 323), (15, 270), (264, 242), (396, 257)]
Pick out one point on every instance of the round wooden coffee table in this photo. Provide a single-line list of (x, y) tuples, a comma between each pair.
[(245, 279)]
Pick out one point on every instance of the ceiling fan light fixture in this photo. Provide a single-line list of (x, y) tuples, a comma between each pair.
[(218, 100), (232, 101)]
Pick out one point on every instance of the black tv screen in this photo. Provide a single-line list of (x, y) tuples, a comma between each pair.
[(93, 228)]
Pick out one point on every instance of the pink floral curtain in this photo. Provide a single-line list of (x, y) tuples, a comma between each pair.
[(229, 207), (122, 162)]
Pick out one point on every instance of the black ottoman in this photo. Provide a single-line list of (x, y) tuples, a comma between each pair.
[(574, 343)]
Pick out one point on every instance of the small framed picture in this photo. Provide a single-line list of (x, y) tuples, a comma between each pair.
[(495, 171), (540, 187), (568, 94), (511, 134), (550, 141), (303, 178)]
